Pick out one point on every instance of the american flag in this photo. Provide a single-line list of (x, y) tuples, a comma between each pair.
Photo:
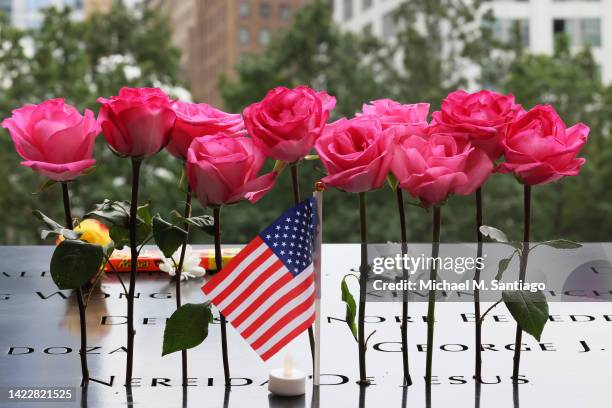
[(267, 291)]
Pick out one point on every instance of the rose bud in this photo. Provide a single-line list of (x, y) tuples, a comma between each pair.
[(539, 149), (287, 122), (53, 138), (433, 167), (484, 116), (223, 169), (356, 153), (137, 122), (195, 120), (392, 113)]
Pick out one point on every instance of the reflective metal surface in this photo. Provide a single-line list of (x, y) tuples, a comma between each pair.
[(39, 345)]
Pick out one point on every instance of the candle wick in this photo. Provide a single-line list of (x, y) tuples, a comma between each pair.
[(288, 366)]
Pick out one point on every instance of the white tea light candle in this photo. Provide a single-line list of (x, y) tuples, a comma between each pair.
[(287, 381)]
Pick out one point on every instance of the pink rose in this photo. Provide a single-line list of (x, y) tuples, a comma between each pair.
[(392, 113), (356, 154), (222, 169), (137, 122), (53, 138), (540, 149), (287, 122), (431, 168), (195, 120), (483, 115)]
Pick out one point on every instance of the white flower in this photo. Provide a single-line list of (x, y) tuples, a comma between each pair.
[(191, 264)]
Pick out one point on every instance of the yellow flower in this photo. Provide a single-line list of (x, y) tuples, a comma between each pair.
[(93, 232)]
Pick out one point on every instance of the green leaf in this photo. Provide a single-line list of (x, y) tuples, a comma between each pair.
[(562, 244), (89, 171), (54, 228), (351, 306), (392, 181), (494, 233), (74, 263), (187, 327), (205, 222), (120, 236), (168, 237), (502, 266), (279, 166), (144, 216), (113, 213), (529, 310)]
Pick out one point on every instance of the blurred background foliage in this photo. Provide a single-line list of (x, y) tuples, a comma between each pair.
[(81, 61)]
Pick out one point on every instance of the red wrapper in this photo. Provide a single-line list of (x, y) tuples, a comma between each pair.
[(149, 260)]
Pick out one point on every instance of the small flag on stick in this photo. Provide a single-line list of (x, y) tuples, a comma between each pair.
[(267, 292)]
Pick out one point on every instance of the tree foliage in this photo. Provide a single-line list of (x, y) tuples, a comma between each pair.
[(441, 45), (80, 61)]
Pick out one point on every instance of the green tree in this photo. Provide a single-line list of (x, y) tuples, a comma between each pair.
[(569, 81), (80, 61), (356, 69)]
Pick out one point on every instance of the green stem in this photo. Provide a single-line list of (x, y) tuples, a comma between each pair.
[(295, 183), (219, 266), (179, 270), (136, 162), (363, 280), (79, 295), (296, 200), (478, 321), (431, 303), (523, 272), (404, 324)]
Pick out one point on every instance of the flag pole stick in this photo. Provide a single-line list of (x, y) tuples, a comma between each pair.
[(318, 195)]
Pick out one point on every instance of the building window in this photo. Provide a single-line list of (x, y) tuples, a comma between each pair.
[(590, 31), (285, 11), (348, 9), (265, 10), (244, 9), (264, 36), (580, 31), (388, 25), (505, 29), (366, 4), (244, 36)]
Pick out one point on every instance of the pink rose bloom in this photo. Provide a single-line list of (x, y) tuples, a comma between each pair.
[(53, 138), (287, 122), (484, 116), (540, 149), (392, 113), (431, 168), (195, 120), (137, 122), (356, 154), (223, 169)]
